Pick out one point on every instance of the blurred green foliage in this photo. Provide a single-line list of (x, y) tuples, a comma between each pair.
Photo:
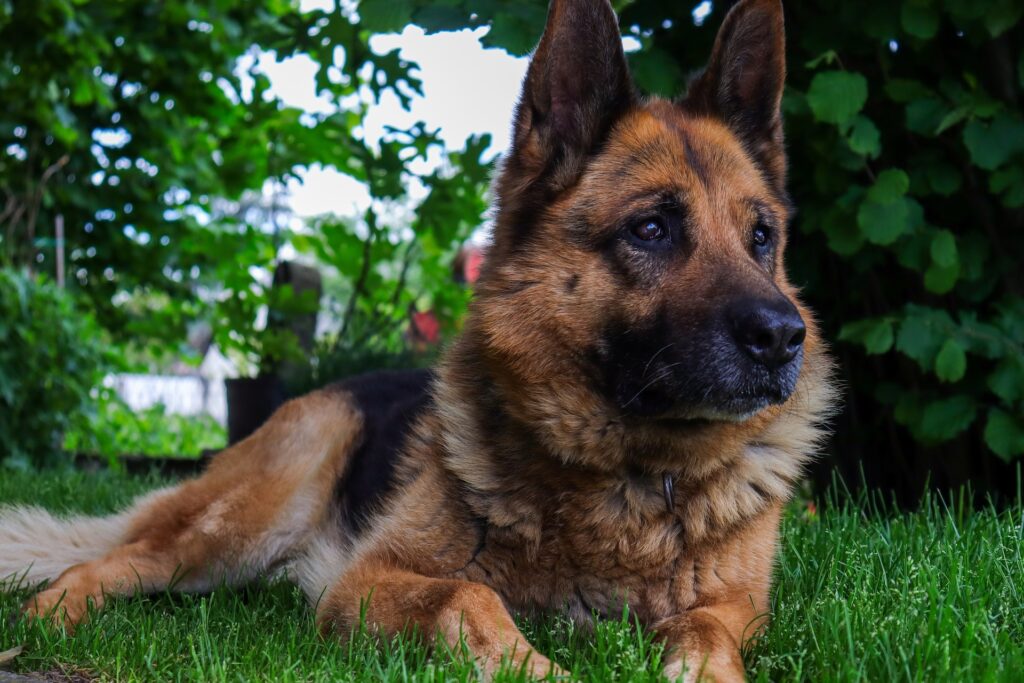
[(909, 175), (148, 127), (50, 360), (909, 166), (904, 127), (115, 430)]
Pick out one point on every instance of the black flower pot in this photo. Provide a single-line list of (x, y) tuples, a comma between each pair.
[(251, 400)]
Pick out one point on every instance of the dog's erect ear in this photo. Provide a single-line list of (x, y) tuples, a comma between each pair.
[(576, 86), (744, 80)]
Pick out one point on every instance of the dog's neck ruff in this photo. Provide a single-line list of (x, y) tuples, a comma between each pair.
[(511, 476)]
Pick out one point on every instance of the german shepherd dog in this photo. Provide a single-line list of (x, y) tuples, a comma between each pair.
[(621, 421)]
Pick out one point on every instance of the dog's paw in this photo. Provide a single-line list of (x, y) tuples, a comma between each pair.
[(677, 670), (532, 664), (539, 667), (56, 607), (701, 670)]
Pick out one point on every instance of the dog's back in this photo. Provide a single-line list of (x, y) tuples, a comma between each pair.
[(390, 402)]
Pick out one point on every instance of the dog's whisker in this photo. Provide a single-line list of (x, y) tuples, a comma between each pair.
[(664, 373), (657, 353)]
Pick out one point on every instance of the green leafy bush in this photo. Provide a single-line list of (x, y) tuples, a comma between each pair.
[(50, 359), (138, 125), (115, 430), (907, 148)]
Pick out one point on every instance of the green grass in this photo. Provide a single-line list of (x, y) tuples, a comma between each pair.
[(935, 595)]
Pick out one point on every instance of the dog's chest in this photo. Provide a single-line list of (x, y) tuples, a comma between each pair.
[(592, 552)]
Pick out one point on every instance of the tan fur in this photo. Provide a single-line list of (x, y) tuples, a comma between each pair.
[(522, 487), (39, 546), (256, 505)]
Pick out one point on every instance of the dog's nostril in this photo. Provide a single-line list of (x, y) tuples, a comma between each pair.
[(770, 332), (797, 336)]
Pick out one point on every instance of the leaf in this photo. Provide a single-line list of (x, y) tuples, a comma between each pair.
[(992, 144), (657, 72), (840, 228), (864, 137), (885, 214), (81, 93), (890, 185), (942, 420), (951, 119), (437, 17), (921, 21), (1007, 380), (915, 213), (941, 279), (922, 333), (944, 271), (1009, 182), (837, 96), (1004, 434), (829, 57), (913, 253), (876, 335), (883, 224), (951, 362), (925, 115), (943, 249), (517, 31), (385, 16)]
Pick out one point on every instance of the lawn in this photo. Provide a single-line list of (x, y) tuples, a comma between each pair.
[(862, 594)]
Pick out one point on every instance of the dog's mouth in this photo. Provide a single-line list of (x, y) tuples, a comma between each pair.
[(709, 396), (670, 377), (701, 416)]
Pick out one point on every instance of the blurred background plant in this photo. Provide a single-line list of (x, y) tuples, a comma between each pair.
[(51, 359), (149, 130), (114, 430)]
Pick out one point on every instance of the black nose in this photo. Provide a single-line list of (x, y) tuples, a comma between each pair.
[(769, 331)]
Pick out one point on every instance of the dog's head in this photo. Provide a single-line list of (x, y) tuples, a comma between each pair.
[(642, 239)]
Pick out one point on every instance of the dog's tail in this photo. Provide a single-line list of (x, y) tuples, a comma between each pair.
[(36, 546)]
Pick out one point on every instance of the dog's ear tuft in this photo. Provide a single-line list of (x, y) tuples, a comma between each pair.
[(744, 80), (576, 86)]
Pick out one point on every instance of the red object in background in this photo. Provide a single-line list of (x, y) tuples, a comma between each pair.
[(467, 265), (424, 327), (474, 262)]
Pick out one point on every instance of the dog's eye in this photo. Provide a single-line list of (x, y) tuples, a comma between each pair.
[(650, 230), (762, 236)]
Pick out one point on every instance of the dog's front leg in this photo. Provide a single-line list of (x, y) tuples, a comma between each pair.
[(703, 644), (395, 601)]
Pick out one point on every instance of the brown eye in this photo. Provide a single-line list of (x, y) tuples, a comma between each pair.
[(649, 230)]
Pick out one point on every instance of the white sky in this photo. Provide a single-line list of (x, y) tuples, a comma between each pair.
[(467, 90)]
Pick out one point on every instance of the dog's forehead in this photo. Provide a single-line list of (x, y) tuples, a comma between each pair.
[(658, 146)]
